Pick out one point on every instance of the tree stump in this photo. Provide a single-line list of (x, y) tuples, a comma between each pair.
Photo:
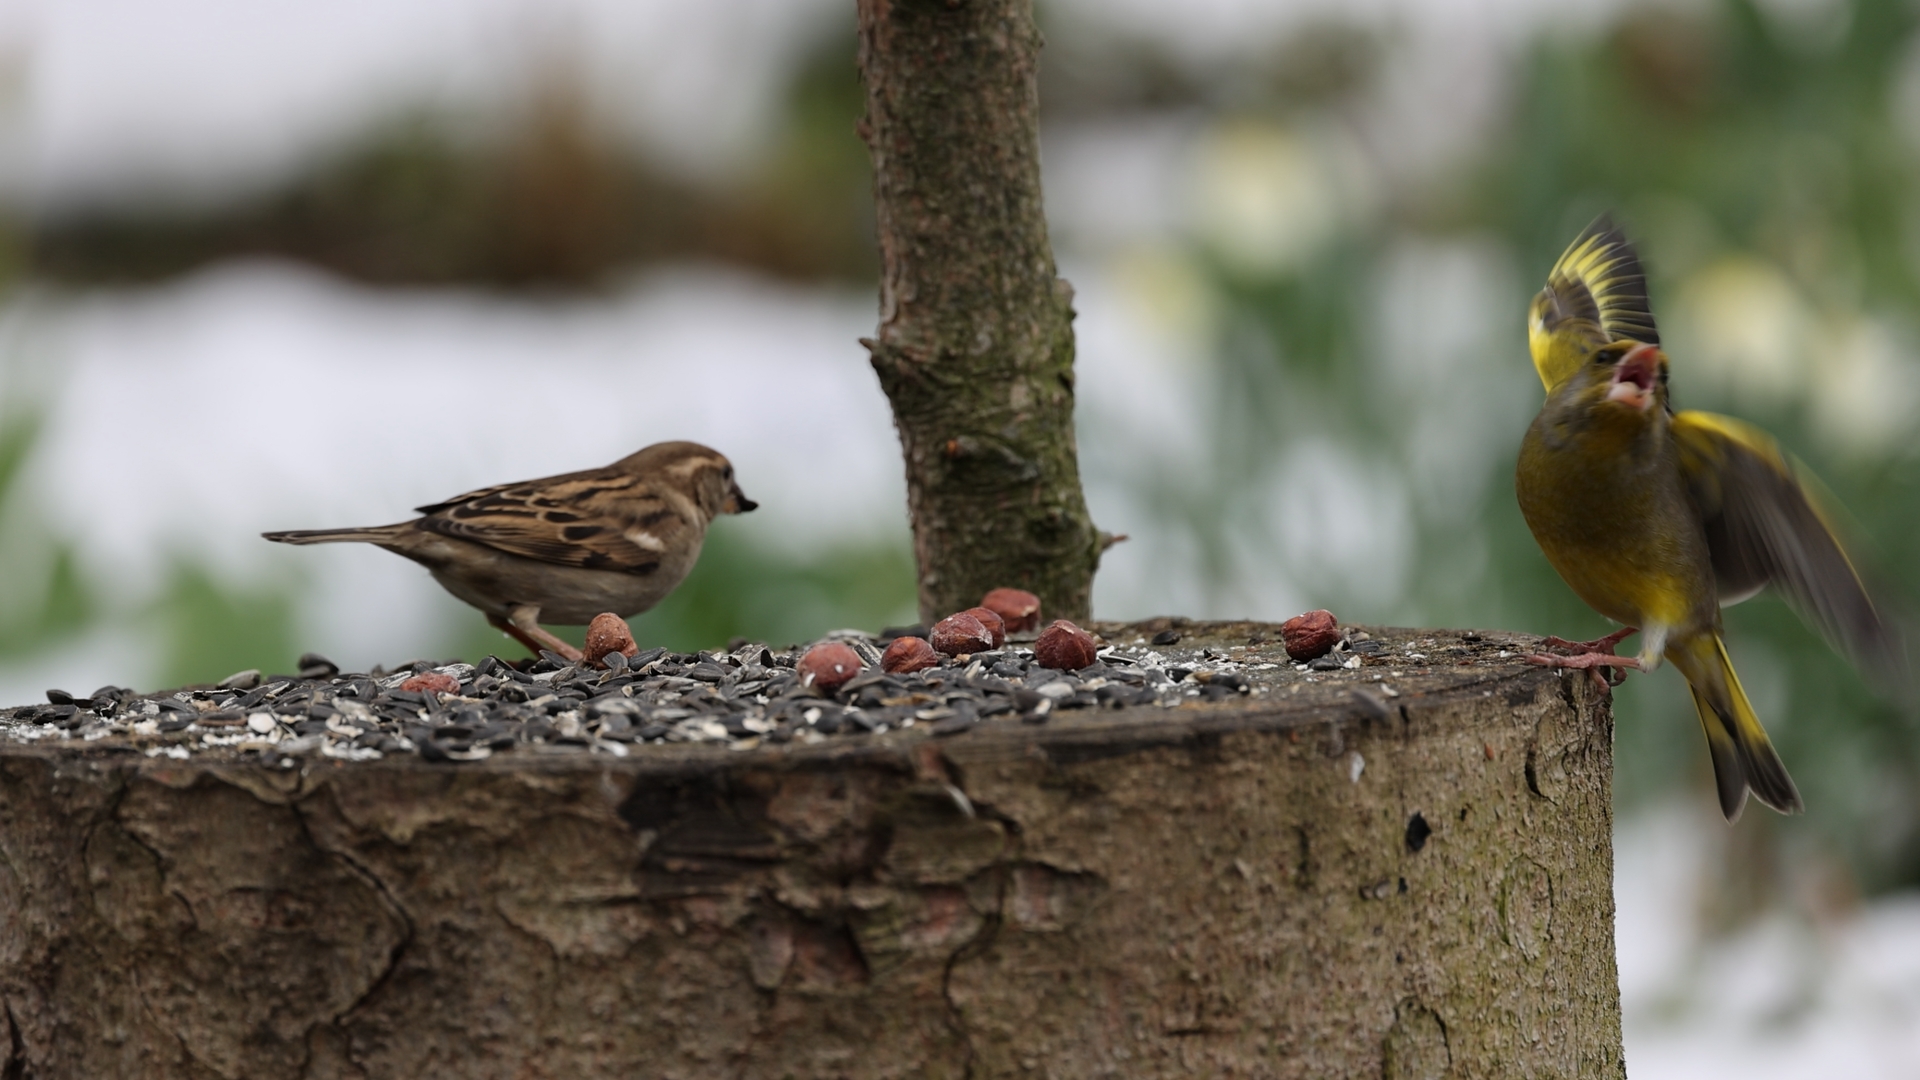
[(1332, 881)]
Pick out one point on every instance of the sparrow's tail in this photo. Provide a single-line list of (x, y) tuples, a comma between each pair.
[(374, 535), (1743, 757)]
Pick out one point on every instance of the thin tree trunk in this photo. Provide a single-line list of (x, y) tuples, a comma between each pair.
[(975, 344)]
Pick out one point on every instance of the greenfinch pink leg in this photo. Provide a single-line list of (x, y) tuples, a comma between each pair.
[(1591, 656)]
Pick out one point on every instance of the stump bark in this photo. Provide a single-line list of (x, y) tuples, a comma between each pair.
[(1325, 883)]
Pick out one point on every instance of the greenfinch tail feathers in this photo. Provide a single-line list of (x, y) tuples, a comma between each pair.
[(1729, 775), (1743, 756)]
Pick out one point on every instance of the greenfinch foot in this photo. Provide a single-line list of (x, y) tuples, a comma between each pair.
[(1596, 657)]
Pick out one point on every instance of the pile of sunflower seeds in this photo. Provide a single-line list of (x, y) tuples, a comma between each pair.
[(740, 699)]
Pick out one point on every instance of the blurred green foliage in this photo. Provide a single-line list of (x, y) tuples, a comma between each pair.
[(1734, 130), (1780, 143), (43, 598), (213, 627), (1719, 132)]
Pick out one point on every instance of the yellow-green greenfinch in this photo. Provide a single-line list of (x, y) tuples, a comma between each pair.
[(1657, 519)]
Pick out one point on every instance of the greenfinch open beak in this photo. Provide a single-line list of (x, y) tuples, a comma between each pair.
[(1635, 377)]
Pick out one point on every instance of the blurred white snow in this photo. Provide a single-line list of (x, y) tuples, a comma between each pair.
[(1785, 997)]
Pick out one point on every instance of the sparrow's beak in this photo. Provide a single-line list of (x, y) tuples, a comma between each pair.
[(1634, 377), (737, 502)]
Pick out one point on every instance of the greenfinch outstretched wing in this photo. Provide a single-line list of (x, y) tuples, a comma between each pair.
[(1763, 528), (1595, 293)]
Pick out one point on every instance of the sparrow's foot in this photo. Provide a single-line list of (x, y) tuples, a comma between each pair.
[(1596, 657), (524, 626)]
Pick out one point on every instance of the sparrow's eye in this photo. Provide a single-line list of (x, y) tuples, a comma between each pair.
[(728, 474)]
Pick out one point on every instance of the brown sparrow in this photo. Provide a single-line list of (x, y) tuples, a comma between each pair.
[(568, 547)]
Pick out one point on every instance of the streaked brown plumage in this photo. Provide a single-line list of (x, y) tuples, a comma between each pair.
[(565, 548)]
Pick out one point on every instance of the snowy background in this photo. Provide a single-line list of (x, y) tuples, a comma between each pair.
[(1294, 232)]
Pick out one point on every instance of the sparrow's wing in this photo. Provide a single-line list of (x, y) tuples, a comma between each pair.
[(598, 520), (1762, 528), (481, 493), (434, 508)]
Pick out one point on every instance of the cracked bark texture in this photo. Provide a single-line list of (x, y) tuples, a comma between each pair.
[(975, 342), (1318, 884)]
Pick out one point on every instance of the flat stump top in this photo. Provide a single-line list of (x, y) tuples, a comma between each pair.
[(671, 710)]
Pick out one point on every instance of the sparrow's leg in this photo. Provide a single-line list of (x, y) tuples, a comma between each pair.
[(524, 626), (1594, 656), (512, 631)]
